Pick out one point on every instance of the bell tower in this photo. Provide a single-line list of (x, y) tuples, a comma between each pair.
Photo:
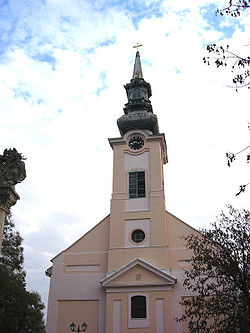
[(126, 273), (137, 215)]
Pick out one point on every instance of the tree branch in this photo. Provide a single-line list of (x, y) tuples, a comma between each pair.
[(222, 57), (234, 8)]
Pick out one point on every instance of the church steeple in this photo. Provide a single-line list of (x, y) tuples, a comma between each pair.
[(137, 67), (138, 111)]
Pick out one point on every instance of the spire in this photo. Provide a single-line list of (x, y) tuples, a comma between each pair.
[(138, 111), (137, 67)]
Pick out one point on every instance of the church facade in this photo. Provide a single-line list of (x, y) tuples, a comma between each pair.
[(126, 274)]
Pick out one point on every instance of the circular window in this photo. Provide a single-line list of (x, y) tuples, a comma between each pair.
[(138, 236)]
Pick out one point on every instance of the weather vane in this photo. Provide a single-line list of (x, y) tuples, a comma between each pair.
[(137, 46)]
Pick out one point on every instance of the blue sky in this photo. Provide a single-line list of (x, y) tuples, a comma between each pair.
[(63, 64), (31, 24)]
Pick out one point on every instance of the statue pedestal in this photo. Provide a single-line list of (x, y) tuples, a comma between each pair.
[(8, 198)]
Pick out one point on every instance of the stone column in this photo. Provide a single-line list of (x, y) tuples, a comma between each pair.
[(8, 198)]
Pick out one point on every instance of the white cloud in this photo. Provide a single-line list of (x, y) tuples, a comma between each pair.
[(59, 113)]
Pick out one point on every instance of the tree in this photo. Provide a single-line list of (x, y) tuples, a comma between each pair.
[(234, 7), (219, 276), (231, 158), (238, 64), (223, 56), (20, 310)]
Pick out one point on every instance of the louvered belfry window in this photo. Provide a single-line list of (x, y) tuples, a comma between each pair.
[(137, 184)]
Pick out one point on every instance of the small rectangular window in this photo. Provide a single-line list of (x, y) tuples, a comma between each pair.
[(138, 307), (137, 184)]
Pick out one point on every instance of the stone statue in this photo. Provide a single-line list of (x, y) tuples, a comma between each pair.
[(12, 167)]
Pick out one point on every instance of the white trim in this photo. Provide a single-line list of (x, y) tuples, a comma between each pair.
[(134, 224), (86, 252), (80, 273), (139, 289), (153, 246), (160, 320), (178, 248), (82, 268), (136, 210), (136, 152), (142, 284), (117, 316), (77, 299)]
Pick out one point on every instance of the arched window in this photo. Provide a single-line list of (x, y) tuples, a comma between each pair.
[(138, 307)]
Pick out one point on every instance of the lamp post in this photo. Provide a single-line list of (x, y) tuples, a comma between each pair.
[(72, 326), (198, 328)]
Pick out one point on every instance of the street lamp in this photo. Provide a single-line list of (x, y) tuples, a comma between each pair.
[(72, 326)]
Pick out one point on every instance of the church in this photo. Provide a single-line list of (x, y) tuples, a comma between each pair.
[(126, 274)]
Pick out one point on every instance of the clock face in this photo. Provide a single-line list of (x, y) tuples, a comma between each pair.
[(136, 143)]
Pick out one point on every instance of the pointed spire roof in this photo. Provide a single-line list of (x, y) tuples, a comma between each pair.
[(137, 73), (138, 110)]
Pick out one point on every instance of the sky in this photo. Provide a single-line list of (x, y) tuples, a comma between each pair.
[(63, 64)]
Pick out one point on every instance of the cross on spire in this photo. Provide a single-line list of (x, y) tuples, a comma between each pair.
[(137, 46)]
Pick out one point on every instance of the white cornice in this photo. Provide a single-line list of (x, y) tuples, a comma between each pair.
[(148, 137), (168, 280)]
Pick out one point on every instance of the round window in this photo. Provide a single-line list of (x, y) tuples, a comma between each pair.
[(138, 236)]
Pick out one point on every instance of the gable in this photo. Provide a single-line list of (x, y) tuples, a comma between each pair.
[(95, 240), (176, 228), (138, 273), (138, 276), (178, 253)]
